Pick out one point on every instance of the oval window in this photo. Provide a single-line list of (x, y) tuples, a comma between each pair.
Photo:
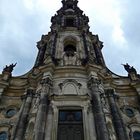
[(136, 135), (129, 112), (3, 135), (10, 113)]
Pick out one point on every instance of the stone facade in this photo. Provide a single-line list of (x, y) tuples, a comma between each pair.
[(69, 93)]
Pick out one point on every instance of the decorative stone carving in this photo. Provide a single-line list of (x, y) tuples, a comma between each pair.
[(71, 59), (132, 73), (105, 105), (80, 20), (9, 68), (7, 72), (93, 80), (111, 131), (70, 87), (36, 102), (46, 81)]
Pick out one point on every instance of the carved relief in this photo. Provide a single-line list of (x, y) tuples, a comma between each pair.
[(95, 84), (105, 104), (70, 87), (35, 102), (30, 132), (71, 59), (46, 84), (111, 130)]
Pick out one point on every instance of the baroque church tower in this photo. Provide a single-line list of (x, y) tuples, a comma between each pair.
[(69, 94)]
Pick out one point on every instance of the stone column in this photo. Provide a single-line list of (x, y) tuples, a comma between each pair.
[(97, 48), (84, 61), (116, 116), (22, 122), (40, 56), (54, 41), (42, 110), (99, 118)]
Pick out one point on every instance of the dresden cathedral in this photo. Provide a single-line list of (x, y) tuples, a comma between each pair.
[(69, 94)]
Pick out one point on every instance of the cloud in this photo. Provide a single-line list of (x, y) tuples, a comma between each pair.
[(23, 22), (116, 22)]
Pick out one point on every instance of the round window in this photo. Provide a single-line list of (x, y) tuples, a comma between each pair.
[(136, 135), (10, 113), (3, 135), (129, 112)]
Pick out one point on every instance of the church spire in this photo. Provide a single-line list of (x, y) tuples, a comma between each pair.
[(70, 15), (69, 4), (70, 42)]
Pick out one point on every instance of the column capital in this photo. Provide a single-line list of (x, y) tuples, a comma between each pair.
[(111, 93), (93, 82), (46, 85), (29, 93), (46, 81)]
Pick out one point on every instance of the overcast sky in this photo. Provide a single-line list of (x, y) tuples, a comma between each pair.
[(22, 22)]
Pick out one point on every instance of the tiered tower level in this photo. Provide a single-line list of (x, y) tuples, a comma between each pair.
[(69, 94)]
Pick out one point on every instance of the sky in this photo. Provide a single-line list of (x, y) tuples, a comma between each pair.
[(117, 23)]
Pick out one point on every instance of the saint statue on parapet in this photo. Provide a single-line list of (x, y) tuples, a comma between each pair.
[(9, 68), (129, 69), (132, 73)]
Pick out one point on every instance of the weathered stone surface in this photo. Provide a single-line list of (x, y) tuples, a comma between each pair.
[(69, 74)]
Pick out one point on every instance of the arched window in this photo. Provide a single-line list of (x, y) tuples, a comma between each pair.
[(136, 135), (70, 6), (69, 22), (69, 50), (3, 135)]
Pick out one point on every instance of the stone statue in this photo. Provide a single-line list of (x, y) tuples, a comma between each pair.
[(129, 69), (133, 70), (132, 73), (9, 68)]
